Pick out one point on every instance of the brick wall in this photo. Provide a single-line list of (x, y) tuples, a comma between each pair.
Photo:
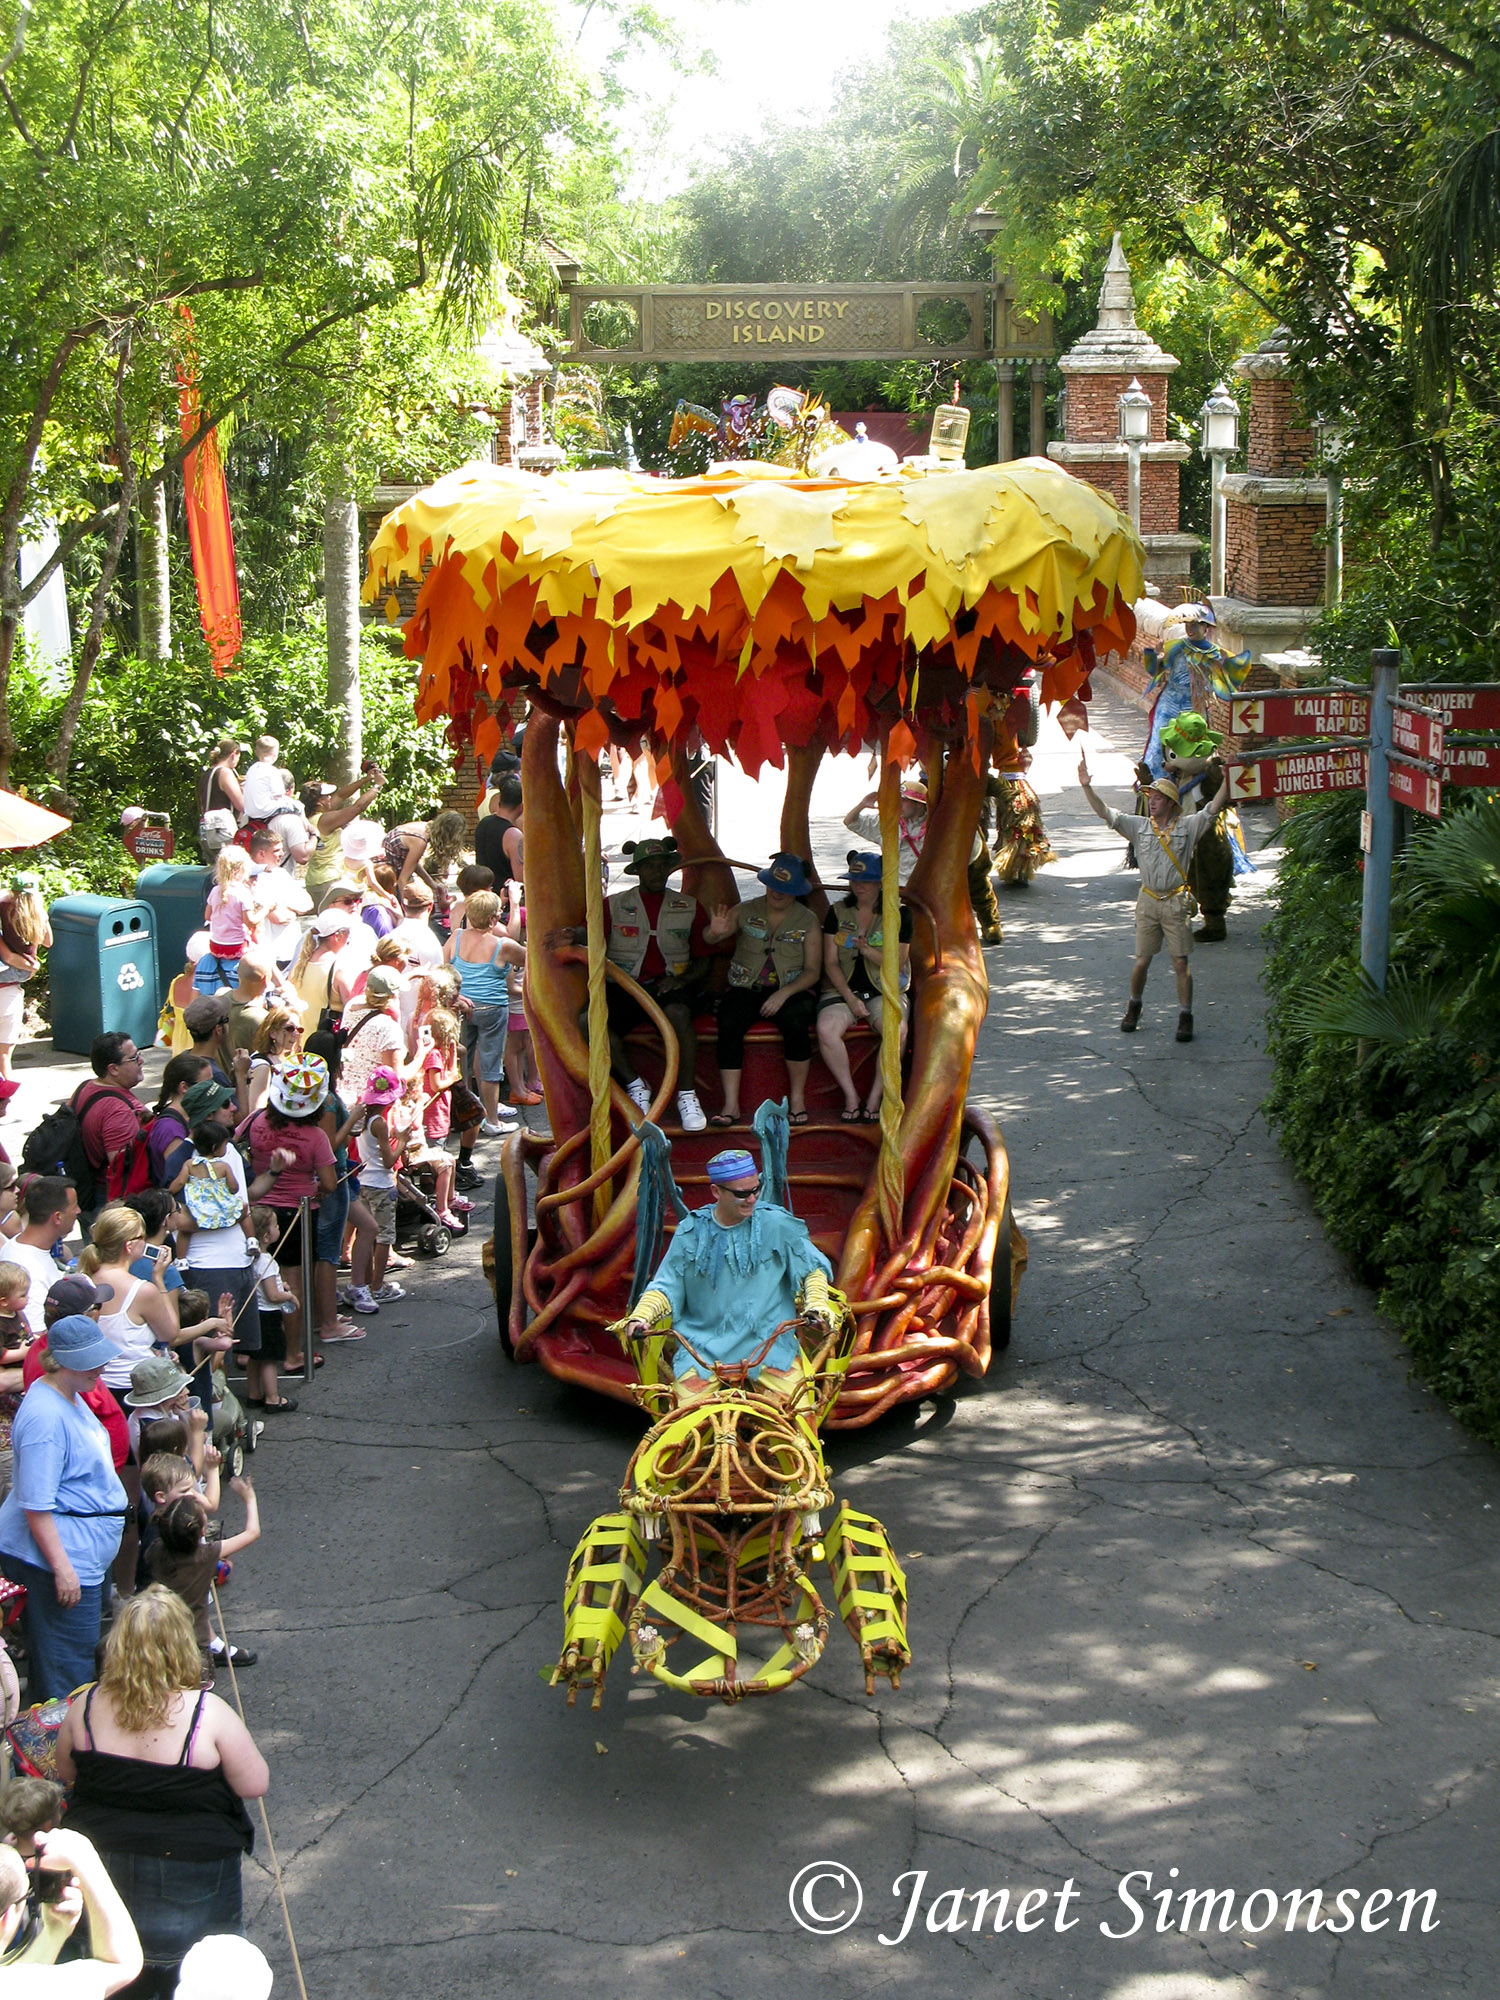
[(1159, 500), (1280, 446), (518, 420), (1272, 555), (1094, 406)]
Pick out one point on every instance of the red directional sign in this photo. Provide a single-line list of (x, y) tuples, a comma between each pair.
[(1470, 763), (1310, 712), (1297, 773), (1421, 790), (1414, 734), (1471, 706)]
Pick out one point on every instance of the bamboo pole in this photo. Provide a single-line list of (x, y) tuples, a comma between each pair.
[(891, 1172), (587, 771)]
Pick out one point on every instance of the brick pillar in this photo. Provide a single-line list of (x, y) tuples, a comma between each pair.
[(1275, 513), (1097, 371)]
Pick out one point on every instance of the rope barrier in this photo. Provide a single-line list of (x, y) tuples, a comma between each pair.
[(265, 1818)]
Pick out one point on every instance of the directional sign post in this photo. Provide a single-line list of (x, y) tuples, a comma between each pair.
[(1375, 913), (1417, 786), (1471, 760), (1324, 767), (1464, 705), (1309, 712), (1417, 730)]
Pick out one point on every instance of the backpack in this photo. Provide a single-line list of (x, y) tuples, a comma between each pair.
[(56, 1147)]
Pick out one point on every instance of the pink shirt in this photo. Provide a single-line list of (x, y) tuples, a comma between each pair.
[(227, 914), (311, 1145), (437, 1116)]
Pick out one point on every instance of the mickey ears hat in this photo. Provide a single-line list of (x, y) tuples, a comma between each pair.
[(650, 850), (786, 875)]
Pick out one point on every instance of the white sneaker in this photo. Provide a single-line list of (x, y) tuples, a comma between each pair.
[(362, 1299), (690, 1113), (639, 1093), (492, 1128), (389, 1293)]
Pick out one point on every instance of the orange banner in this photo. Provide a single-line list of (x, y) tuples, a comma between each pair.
[(209, 531)]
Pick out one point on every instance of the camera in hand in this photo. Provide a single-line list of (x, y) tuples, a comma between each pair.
[(52, 1884)]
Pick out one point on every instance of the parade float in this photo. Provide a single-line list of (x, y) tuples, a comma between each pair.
[(773, 617)]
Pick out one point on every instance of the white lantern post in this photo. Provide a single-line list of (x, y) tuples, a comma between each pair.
[(1333, 442), (1219, 438), (1135, 431)]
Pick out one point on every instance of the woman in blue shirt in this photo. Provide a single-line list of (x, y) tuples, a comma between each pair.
[(61, 1523)]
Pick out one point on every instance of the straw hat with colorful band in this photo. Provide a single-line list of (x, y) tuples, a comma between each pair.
[(734, 1165), (384, 1085), (299, 1087), (786, 875)]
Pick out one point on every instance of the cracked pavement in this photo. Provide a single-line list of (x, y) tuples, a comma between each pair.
[(1199, 1580)]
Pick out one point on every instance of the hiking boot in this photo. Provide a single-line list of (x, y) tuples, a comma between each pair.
[(1185, 1025), (1132, 1018)]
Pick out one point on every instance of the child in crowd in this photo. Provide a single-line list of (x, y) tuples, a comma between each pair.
[(381, 1145), (186, 1557), (168, 1475), (15, 1332), (29, 1806), (520, 1070), (273, 1302), (158, 1262), (440, 1071), (471, 878), (12, 1222), (233, 916)]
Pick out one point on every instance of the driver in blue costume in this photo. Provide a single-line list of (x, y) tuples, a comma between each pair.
[(732, 1273)]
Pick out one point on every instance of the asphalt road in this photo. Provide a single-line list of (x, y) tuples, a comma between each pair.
[(1200, 1585)]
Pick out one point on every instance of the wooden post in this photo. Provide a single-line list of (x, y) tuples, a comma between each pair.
[(587, 771), (1375, 915)]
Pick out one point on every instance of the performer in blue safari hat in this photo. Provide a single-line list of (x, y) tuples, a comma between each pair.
[(773, 976), (732, 1272)]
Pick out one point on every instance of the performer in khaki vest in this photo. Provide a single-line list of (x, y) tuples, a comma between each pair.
[(659, 936), (1165, 842), (773, 976)]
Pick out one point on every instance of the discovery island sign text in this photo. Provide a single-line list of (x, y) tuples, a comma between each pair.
[(837, 322)]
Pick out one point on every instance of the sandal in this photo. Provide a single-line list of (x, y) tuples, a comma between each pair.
[(796, 1118), (855, 1115), (526, 1097), (722, 1120), (256, 1403), (869, 1114)]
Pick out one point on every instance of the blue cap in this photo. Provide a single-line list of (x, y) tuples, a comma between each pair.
[(786, 874), (863, 867), (731, 1166), (77, 1343)]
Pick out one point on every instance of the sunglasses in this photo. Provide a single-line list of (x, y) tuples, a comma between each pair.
[(742, 1194)]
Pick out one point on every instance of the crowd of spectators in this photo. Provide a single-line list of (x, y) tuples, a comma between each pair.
[(348, 1014)]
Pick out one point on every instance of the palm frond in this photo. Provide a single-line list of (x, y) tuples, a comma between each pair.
[(1409, 1010), (1456, 251)]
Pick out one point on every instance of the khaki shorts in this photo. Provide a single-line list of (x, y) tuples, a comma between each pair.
[(381, 1203), (1163, 923)]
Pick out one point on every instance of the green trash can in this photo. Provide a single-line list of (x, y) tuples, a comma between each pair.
[(102, 971), (177, 897)]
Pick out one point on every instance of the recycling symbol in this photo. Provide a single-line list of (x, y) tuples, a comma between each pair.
[(130, 980)]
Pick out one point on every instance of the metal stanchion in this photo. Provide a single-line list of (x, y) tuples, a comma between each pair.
[(304, 1223)]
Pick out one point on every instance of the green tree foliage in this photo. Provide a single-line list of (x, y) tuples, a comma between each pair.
[(258, 194)]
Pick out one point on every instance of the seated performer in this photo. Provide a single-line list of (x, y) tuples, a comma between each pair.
[(853, 943), (733, 1273), (658, 936), (777, 965)]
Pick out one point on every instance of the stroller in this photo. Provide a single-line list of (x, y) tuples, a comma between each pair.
[(419, 1227)]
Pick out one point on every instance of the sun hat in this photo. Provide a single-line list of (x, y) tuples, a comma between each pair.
[(300, 1086), (361, 840), (73, 1295), (341, 891), (786, 875), (913, 788), (329, 923), (26, 884), (77, 1343), (204, 1099), (131, 816), (733, 1165), (1167, 789), (384, 1085), (1188, 736), (224, 1968), (155, 1380), (650, 850), (381, 983), (198, 946), (864, 867)]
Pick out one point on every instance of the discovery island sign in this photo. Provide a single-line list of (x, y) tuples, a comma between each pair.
[(835, 322)]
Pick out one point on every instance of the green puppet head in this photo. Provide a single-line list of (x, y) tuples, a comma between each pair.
[(1188, 744)]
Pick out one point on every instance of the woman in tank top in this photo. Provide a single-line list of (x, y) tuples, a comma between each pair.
[(160, 1770)]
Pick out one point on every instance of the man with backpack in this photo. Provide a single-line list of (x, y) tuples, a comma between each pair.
[(97, 1137)]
